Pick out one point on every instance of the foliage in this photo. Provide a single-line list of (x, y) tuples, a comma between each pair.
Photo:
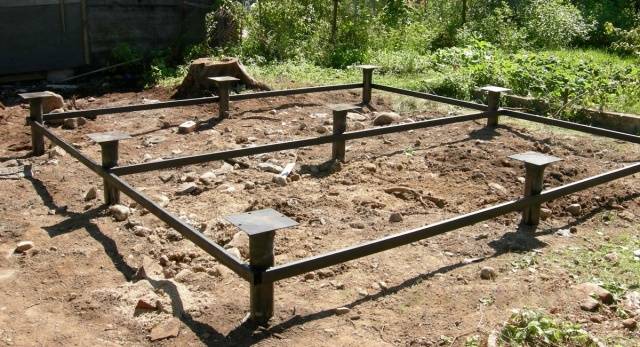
[(526, 24), (625, 42), (534, 328)]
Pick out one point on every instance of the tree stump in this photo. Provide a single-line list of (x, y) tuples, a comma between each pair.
[(197, 82)]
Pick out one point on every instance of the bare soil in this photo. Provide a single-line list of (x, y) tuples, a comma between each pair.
[(77, 286)]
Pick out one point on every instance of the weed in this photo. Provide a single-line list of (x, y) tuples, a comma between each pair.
[(534, 328)]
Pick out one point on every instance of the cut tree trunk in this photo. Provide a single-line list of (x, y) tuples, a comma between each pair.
[(197, 82)]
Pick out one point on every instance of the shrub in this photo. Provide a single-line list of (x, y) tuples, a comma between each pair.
[(625, 42)]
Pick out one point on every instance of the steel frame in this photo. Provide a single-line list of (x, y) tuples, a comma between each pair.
[(259, 277)]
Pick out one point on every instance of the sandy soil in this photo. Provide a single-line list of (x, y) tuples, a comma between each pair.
[(77, 287)]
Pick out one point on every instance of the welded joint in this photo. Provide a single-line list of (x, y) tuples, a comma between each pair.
[(493, 103), (534, 163), (223, 83)]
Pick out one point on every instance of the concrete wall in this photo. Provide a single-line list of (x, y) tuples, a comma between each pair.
[(43, 35)]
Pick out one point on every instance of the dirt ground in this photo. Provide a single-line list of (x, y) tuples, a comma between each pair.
[(76, 287)]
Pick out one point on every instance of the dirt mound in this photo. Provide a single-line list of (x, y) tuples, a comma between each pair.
[(197, 82)]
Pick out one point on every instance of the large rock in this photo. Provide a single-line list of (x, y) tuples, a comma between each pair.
[(119, 212), (197, 82), (385, 118), (53, 102), (240, 241), (165, 330)]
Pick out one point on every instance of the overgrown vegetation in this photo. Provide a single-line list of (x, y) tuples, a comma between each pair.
[(570, 53)]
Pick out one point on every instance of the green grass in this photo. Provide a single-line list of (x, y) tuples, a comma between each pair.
[(588, 78), (589, 264)]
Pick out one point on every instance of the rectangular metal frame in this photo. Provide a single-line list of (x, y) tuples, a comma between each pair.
[(280, 272)]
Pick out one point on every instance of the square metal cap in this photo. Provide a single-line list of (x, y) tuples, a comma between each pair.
[(344, 107), (110, 136), (367, 67), (494, 89), (36, 95), (223, 79), (535, 158), (260, 221)]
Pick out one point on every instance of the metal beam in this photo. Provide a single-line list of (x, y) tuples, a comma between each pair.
[(281, 146), (570, 125), (130, 108), (196, 101), (287, 92), (433, 97), (354, 252), (183, 228)]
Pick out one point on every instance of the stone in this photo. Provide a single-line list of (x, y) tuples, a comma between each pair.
[(631, 303), (208, 178), (612, 257), (187, 127), (626, 215), (370, 167), (279, 180), (545, 213), (148, 303), (162, 200), (241, 139), (594, 290), (498, 188), (248, 185), (23, 246), (184, 276), (630, 323), (141, 231), (385, 118), (574, 209), (52, 102), (269, 167), (167, 329), (90, 194), (382, 285), (357, 225), (240, 240), (119, 212), (167, 177), (342, 310), (235, 253), (321, 129), (356, 126), (356, 116), (395, 217), (589, 304), (188, 188), (56, 152), (488, 273), (70, 123)]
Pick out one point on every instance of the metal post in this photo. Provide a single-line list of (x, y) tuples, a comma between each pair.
[(109, 148), (110, 159), (260, 259), (223, 84), (35, 115), (338, 149), (534, 163), (367, 81), (261, 226), (493, 103)]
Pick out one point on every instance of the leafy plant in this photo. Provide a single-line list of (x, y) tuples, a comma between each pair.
[(534, 328)]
